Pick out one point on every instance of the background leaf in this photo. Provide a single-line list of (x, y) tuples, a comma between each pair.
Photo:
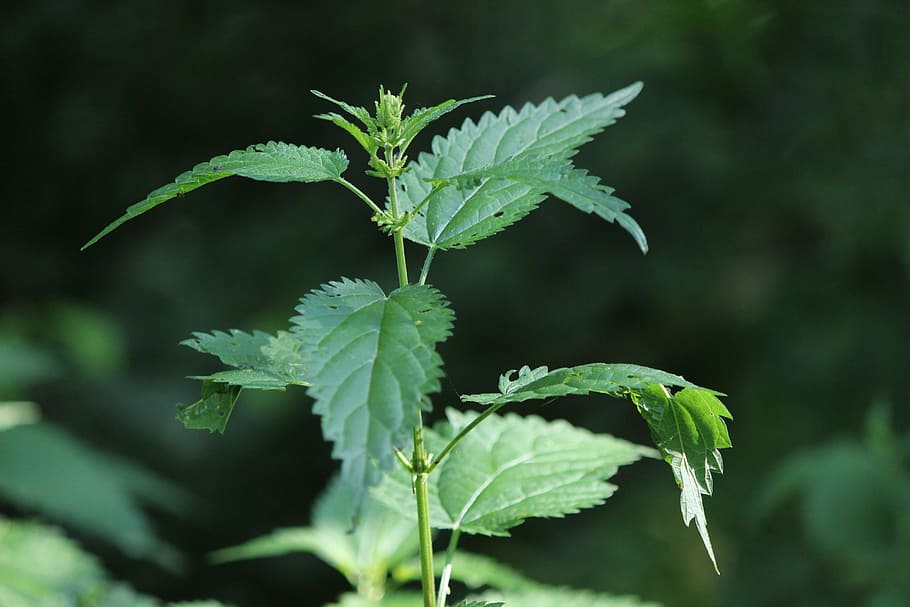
[(270, 161), (372, 362), (364, 554), (40, 567), (43, 469)]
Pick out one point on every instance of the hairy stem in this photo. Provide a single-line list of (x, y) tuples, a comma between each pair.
[(421, 491), (397, 236), (447, 569)]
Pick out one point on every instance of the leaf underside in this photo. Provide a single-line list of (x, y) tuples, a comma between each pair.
[(510, 468), (272, 161), (687, 426), (213, 410), (261, 361), (372, 362), (456, 217)]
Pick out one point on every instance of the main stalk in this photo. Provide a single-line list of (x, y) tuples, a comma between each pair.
[(421, 473)]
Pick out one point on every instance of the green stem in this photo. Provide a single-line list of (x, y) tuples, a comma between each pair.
[(397, 235), (447, 569), (400, 259), (353, 188), (464, 432), (421, 490), (426, 266)]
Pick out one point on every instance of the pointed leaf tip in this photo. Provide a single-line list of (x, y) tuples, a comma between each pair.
[(272, 161)]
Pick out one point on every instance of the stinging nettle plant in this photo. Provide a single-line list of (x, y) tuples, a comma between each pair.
[(368, 359)]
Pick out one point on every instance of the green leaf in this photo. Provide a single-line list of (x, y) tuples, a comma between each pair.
[(689, 430), (543, 596), (40, 567), (586, 193), (423, 117), (43, 469), (511, 468), (558, 178), (213, 410), (454, 218), (360, 113), (540, 383), (261, 361), (687, 426), (466, 603), (372, 362), (281, 162), (381, 540)]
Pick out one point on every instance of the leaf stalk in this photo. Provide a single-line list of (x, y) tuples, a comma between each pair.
[(447, 569)]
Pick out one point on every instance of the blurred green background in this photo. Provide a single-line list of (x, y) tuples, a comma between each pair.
[(768, 160)]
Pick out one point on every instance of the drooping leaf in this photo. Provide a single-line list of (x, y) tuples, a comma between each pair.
[(261, 361), (364, 554), (213, 410), (467, 603), (372, 361), (510, 468), (586, 193), (281, 162), (687, 426), (544, 596), (689, 430), (456, 218), (45, 470)]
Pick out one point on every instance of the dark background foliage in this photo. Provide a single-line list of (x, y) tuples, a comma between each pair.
[(767, 160)]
